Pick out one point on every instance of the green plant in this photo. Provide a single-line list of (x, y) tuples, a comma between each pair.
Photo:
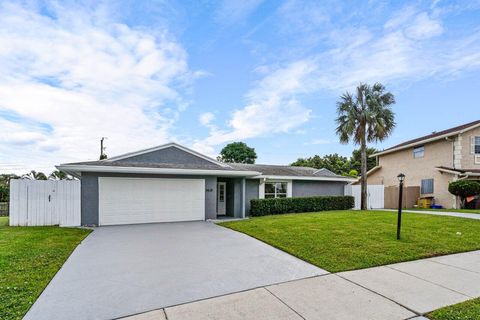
[(365, 117), (263, 207), (4, 193), (238, 152), (334, 162), (464, 189)]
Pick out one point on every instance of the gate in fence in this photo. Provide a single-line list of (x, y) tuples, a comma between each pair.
[(375, 195), (44, 202)]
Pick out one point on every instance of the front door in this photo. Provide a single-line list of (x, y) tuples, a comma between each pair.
[(221, 198)]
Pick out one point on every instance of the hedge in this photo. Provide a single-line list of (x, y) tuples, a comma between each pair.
[(263, 207)]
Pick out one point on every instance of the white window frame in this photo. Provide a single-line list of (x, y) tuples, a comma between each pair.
[(261, 189), (473, 148), (421, 186), (417, 151)]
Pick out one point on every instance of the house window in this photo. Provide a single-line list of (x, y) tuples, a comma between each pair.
[(275, 190), (427, 186), (475, 148), (419, 152)]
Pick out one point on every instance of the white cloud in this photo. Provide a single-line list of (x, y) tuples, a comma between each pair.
[(271, 107), (206, 118), (407, 50), (235, 11), (79, 77), (424, 27)]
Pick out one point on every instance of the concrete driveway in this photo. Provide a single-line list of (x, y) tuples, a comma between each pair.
[(124, 270)]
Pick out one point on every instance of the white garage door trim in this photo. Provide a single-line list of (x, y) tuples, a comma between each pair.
[(149, 200)]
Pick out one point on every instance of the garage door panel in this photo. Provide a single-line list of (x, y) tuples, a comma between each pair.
[(145, 200)]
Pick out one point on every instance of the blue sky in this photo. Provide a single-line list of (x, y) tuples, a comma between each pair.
[(206, 73)]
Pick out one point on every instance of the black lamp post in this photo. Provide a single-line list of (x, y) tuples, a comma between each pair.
[(401, 178)]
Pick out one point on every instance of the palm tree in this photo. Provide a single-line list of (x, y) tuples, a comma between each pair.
[(366, 117), (34, 175), (58, 175)]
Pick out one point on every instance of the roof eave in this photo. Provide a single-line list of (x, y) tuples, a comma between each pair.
[(340, 179), (443, 136), (455, 172), (147, 170)]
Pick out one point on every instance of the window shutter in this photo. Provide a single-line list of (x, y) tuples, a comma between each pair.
[(472, 144)]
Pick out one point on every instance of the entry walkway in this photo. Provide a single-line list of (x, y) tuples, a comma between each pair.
[(406, 290)]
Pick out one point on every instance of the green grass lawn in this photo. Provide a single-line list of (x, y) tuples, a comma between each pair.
[(347, 240), (29, 258), (468, 310), (449, 210)]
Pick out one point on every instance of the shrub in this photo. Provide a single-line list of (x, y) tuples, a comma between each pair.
[(464, 189), (4, 193), (262, 207)]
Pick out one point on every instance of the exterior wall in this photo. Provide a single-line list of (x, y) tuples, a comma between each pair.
[(468, 159), (238, 197), (304, 188), (89, 193), (251, 192), (438, 153), (89, 199), (167, 155)]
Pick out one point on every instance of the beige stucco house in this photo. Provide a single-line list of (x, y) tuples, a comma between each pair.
[(432, 162)]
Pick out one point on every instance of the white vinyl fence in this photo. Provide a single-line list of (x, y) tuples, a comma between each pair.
[(375, 195), (44, 202)]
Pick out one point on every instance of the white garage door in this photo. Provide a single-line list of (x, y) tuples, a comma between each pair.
[(145, 200)]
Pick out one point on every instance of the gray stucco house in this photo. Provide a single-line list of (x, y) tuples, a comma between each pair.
[(173, 183)]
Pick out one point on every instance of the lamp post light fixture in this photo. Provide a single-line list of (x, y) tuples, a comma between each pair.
[(401, 178)]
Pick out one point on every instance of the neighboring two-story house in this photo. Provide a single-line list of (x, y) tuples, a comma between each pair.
[(432, 162)]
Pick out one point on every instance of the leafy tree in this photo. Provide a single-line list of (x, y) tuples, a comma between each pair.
[(237, 152), (34, 175), (353, 173), (464, 189), (333, 162), (5, 178), (356, 159), (365, 117), (4, 193)]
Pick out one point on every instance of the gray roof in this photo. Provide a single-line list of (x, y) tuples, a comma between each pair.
[(279, 170), (151, 165), (268, 170)]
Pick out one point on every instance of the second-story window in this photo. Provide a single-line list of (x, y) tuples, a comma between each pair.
[(419, 152), (476, 148)]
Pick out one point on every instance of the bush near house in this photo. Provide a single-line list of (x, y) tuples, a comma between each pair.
[(263, 207), (464, 189)]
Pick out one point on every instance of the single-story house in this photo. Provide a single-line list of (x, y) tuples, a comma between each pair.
[(173, 183)]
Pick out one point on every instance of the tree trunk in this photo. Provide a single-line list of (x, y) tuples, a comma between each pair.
[(363, 177)]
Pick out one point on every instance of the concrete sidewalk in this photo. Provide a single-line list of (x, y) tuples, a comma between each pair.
[(475, 216), (406, 290)]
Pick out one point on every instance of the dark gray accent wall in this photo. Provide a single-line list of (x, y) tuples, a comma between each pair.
[(168, 155), (237, 194), (305, 188), (89, 199), (89, 193), (251, 192)]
